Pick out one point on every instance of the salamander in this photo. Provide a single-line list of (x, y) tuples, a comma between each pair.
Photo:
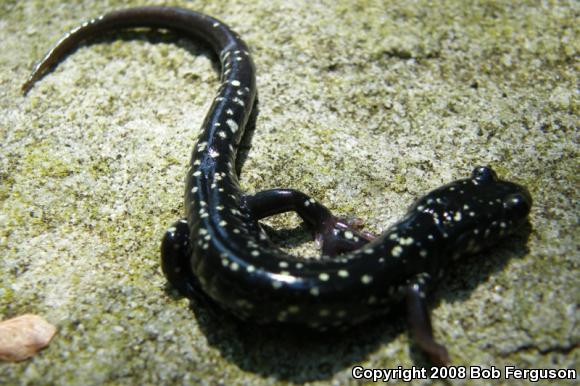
[(221, 251)]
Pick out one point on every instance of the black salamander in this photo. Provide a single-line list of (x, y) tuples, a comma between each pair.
[(221, 251)]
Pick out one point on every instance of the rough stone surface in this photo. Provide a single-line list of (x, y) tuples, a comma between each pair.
[(365, 105)]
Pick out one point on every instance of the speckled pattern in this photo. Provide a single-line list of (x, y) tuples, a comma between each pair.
[(219, 252), (90, 178)]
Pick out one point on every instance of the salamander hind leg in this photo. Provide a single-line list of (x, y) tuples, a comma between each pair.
[(175, 259), (420, 321), (341, 235), (333, 235)]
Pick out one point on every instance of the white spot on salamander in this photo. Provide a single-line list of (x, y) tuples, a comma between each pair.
[(343, 273), (366, 279), (276, 284), (293, 309), (232, 125), (406, 241), (396, 251)]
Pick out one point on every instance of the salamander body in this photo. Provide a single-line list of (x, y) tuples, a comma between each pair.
[(221, 251)]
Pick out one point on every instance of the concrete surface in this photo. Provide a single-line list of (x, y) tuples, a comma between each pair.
[(365, 105)]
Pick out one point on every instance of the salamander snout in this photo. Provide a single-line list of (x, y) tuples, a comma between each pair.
[(517, 205)]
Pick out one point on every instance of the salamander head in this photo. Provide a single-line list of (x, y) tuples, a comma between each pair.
[(515, 200), (476, 212)]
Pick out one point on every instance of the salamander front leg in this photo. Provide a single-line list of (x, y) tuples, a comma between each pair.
[(175, 249), (420, 321), (334, 235)]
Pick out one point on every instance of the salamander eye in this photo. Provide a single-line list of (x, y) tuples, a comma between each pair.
[(517, 205), (484, 174)]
